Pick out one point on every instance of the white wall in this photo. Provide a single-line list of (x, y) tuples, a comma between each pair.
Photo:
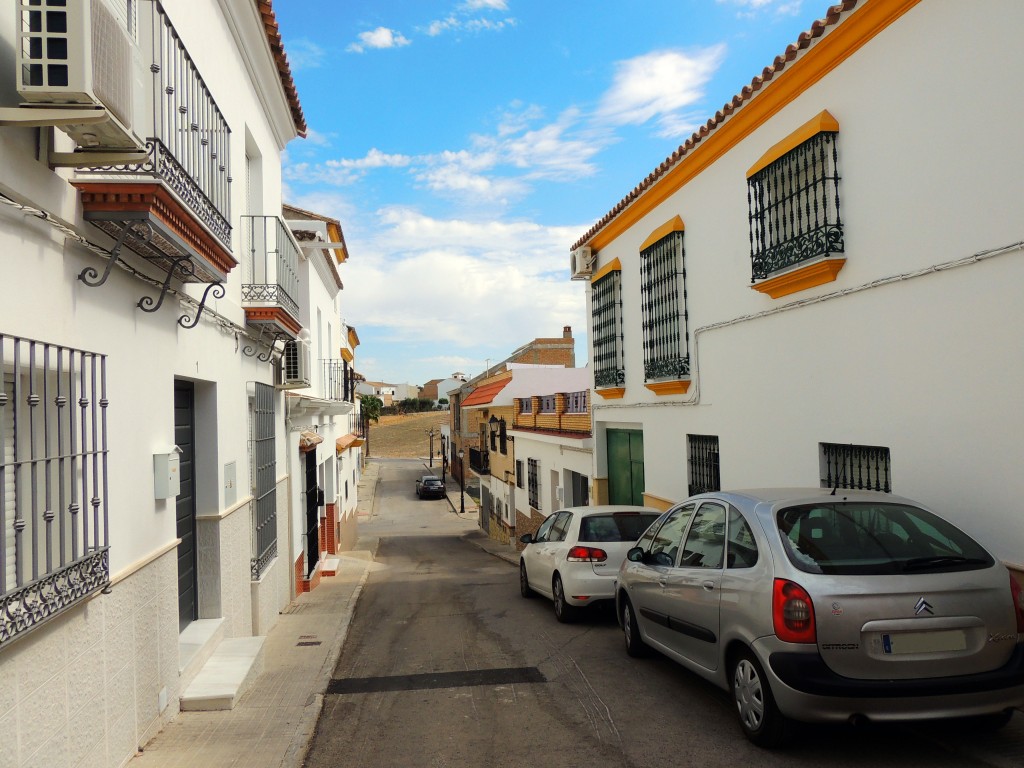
[(930, 171)]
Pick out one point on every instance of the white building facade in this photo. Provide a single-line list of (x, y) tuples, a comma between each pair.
[(151, 287), (818, 288)]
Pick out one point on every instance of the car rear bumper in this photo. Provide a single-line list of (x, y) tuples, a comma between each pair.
[(806, 689), (595, 587)]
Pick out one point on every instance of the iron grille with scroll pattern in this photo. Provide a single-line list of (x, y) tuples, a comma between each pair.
[(794, 207), (663, 302), (606, 331)]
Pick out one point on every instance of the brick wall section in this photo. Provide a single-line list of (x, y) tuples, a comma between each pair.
[(526, 524), (559, 421)]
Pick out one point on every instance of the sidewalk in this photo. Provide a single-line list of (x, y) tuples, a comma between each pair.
[(273, 722)]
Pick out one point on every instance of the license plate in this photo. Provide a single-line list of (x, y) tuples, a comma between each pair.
[(924, 642)]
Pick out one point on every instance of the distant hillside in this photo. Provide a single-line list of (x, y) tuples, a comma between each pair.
[(406, 436)]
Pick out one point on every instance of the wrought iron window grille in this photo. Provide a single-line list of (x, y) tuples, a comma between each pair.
[(793, 207), (663, 304), (263, 476), (533, 482), (606, 331), (704, 464), (858, 467), (54, 525)]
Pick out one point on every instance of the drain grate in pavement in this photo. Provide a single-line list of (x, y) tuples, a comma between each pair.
[(473, 677), (308, 642)]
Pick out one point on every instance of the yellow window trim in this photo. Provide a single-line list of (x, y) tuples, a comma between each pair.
[(353, 338), (612, 393), (828, 53), (612, 266), (800, 279), (820, 123), (674, 387), (346, 355), (666, 229)]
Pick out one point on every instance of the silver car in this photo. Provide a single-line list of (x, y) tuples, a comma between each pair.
[(818, 607)]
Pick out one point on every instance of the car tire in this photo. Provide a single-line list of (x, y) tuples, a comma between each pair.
[(524, 582), (759, 716), (564, 612), (635, 646)]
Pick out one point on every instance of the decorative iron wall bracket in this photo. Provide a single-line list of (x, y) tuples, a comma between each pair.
[(89, 274), (217, 289), (184, 263), (249, 351)]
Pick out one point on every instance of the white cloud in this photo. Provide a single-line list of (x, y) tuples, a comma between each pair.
[(344, 171), (381, 37), (493, 5), (657, 86), (412, 277), (304, 54)]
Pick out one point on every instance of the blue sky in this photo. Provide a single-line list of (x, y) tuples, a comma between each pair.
[(465, 145)]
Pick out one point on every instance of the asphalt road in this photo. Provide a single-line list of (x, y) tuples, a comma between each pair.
[(446, 666)]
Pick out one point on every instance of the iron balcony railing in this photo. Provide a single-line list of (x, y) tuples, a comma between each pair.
[(270, 259), (479, 461), (54, 529), (338, 384), (189, 142)]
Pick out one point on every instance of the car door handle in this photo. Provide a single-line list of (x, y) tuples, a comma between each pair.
[(663, 582), (709, 586)]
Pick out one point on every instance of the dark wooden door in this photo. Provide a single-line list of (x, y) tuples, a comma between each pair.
[(184, 438)]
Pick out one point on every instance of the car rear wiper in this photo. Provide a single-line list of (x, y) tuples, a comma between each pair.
[(921, 563)]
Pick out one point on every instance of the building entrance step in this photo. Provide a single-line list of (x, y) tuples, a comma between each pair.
[(226, 675)]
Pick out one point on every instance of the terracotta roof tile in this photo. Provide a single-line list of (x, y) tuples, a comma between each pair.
[(284, 70), (804, 41), (484, 394)]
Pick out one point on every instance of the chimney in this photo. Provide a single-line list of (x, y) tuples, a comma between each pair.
[(567, 332)]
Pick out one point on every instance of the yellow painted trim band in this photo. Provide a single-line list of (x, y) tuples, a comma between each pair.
[(612, 393), (821, 123), (353, 338), (843, 41), (666, 229), (658, 503), (346, 355), (801, 279), (676, 387), (612, 266)]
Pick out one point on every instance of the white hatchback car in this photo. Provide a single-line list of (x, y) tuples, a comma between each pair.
[(575, 555)]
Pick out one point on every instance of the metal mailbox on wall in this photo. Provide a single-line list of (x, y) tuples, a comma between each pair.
[(167, 474)]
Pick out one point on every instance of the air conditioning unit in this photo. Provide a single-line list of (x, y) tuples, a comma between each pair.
[(294, 366), (581, 263), (77, 57)]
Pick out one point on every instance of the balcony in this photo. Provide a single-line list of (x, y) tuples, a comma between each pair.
[(173, 208), (480, 461), (338, 383), (270, 286)]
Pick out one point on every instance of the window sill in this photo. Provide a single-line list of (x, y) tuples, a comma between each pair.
[(801, 278), (612, 393), (674, 387)]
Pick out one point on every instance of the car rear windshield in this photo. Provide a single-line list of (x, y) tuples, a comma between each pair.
[(616, 526), (857, 537), (432, 481)]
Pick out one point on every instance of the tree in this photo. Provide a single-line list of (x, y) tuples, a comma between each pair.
[(370, 407)]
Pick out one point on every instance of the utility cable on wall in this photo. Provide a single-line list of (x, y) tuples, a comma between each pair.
[(975, 258), (71, 233)]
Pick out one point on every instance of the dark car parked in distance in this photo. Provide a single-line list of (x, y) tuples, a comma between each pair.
[(430, 487)]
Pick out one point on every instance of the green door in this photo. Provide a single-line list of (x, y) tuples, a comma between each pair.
[(625, 466)]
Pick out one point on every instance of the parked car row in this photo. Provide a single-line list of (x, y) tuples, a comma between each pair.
[(806, 605)]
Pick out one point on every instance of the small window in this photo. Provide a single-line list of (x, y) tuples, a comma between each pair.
[(533, 482), (858, 467), (793, 200), (705, 543), (703, 464), (525, 405), (520, 483), (547, 404)]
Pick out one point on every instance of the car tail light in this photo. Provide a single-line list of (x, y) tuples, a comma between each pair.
[(1017, 592), (793, 613), (580, 554)]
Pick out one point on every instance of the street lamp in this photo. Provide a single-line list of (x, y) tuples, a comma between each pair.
[(462, 483), (431, 433), (444, 460)]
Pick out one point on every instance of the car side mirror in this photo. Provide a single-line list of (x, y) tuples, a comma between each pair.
[(635, 555), (526, 538)]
